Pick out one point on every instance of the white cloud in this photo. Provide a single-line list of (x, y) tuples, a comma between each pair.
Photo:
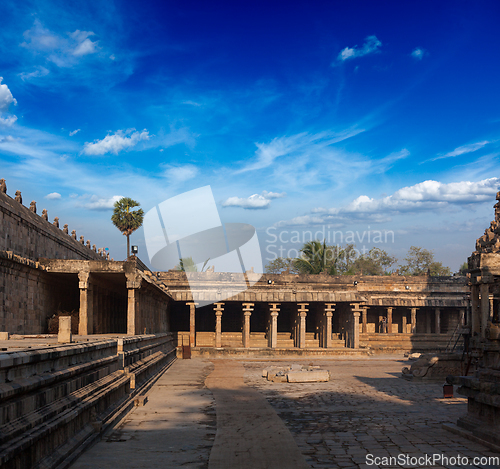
[(179, 173), (116, 142), (372, 45), (86, 47), (425, 196), (254, 202), (61, 50), (461, 150), (98, 203), (39, 72), (53, 196), (74, 132), (6, 98), (418, 53), (8, 121)]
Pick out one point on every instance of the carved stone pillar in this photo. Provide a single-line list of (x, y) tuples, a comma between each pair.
[(485, 307), (355, 326), (192, 325), (389, 320), (218, 308), (437, 313), (247, 312), (86, 322), (134, 281), (413, 320), (302, 324), (364, 312), (475, 313), (403, 323), (273, 329), (327, 333), (428, 321)]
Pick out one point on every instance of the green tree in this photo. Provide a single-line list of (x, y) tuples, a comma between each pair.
[(186, 264), (125, 219), (464, 269), (420, 261), (316, 258), (375, 262), (281, 265)]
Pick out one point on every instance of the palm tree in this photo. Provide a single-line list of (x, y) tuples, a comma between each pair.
[(317, 258), (126, 220)]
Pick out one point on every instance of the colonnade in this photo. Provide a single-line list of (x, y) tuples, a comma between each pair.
[(355, 316)]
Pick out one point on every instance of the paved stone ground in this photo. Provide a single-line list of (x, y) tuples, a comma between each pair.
[(366, 408), (176, 428)]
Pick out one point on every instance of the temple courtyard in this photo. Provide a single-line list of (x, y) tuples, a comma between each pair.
[(221, 413)]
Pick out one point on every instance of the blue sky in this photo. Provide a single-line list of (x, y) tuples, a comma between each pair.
[(302, 116)]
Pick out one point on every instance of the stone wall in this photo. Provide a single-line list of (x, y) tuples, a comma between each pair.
[(30, 235), (27, 296)]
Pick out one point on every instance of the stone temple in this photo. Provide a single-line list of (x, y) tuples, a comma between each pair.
[(128, 323)]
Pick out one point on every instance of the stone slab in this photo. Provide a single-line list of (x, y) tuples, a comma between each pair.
[(307, 376)]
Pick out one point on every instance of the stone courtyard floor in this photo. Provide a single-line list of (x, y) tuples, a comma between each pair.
[(365, 411)]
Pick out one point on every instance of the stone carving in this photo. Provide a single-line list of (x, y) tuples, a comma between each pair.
[(107, 256), (45, 215), (33, 206), (56, 222), (82, 240), (3, 186), (88, 243), (73, 234), (65, 228), (94, 248), (18, 197), (490, 241)]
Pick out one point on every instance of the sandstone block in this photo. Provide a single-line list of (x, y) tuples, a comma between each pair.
[(308, 376)]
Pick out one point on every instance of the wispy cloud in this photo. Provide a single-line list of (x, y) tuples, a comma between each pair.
[(267, 153), (53, 196), (425, 196), (418, 53), (63, 51), (74, 132), (460, 150), (179, 173), (102, 203), (115, 143), (254, 202), (39, 72), (372, 45)]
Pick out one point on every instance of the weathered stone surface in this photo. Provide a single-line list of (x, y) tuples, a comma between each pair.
[(307, 376), (64, 334)]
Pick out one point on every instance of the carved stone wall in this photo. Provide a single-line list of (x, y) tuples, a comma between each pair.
[(29, 235)]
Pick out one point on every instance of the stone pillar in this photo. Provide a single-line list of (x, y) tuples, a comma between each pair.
[(86, 322), (389, 319), (475, 314), (192, 325), (218, 308), (134, 281), (247, 312), (437, 312), (485, 307), (413, 320), (327, 324), (302, 312), (273, 329), (492, 307), (355, 326), (364, 312), (428, 321), (403, 322)]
